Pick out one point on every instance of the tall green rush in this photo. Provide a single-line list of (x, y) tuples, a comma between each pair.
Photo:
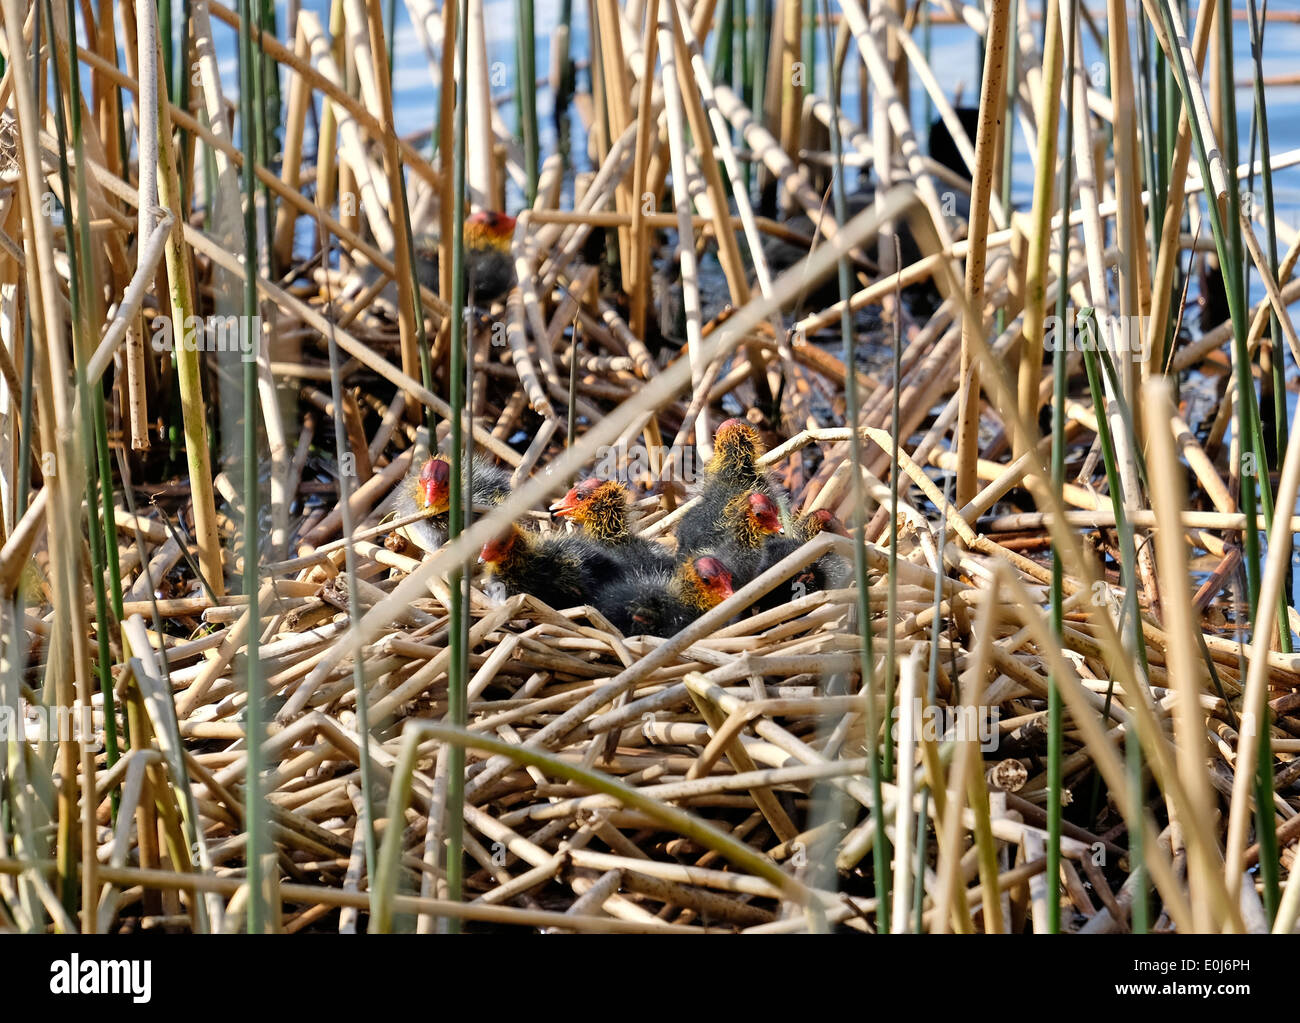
[(724, 53), (879, 849), (757, 81), (1228, 246), (1261, 126), (1054, 715), (459, 674), (527, 96), (1265, 818), (94, 420), (254, 814), (1266, 821)]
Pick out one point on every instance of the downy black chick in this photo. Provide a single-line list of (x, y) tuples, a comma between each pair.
[(429, 488), (661, 602), (562, 571), (747, 522), (827, 572), (733, 470), (600, 509)]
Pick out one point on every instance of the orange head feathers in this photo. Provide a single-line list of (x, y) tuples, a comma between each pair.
[(708, 583), (736, 450), (489, 228), (499, 548), (823, 520), (763, 513)]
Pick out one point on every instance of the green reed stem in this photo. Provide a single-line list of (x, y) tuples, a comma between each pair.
[(1261, 126), (1147, 142), (94, 422), (740, 33), (165, 34), (1055, 717), (265, 94), (564, 91), (527, 94), (810, 45), (1265, 818), (758, 82), (258, 846), (880, 846), (723, 54), (390, 19), (459, 674), (181, 76), (1266, 821)]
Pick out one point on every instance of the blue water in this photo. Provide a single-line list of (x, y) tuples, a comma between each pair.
[(954, 60)]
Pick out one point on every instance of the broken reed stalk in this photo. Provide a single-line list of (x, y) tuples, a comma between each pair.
[(992, 97)]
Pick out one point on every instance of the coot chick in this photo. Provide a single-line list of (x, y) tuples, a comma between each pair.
[(827, 572), (561, 571), (601, 509), (429, 488), (659, 602), (489, 267), (733, 470), (748, 521)]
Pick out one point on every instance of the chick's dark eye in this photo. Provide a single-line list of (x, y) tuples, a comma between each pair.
[(709, 570)]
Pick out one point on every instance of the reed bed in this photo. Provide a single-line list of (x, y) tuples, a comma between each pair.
[(1057, 691)]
